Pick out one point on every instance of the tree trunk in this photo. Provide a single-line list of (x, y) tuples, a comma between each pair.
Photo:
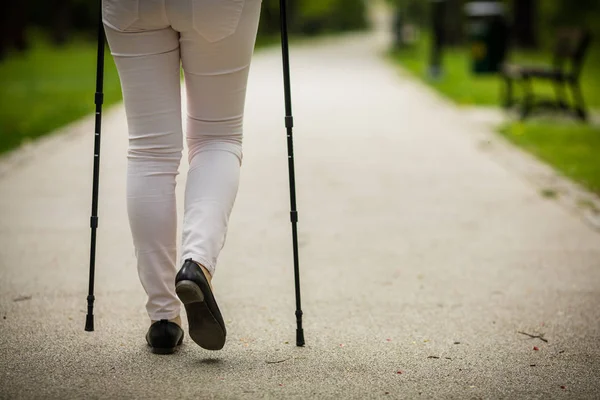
[(13, 21), (454, 20), (525, 23), (61, 26)]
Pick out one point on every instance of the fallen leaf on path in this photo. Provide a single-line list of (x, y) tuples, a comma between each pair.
[(399, 372), (563, 387), (536, 348), (278, 361)]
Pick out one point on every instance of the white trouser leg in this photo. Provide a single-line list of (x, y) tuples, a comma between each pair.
[(216, 75), (150, 81)]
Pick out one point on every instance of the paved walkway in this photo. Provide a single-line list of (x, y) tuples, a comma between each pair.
[(421, 252)]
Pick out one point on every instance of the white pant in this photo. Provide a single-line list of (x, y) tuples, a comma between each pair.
[(214, 41)]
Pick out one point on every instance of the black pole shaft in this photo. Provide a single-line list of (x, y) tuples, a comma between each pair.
[(98, 100), (289, 124)]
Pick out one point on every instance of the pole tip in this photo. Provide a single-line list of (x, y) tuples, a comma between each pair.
[(89, 322), (300, 337)]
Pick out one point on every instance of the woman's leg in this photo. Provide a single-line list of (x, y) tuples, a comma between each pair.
[(149, 68), (216, 61)]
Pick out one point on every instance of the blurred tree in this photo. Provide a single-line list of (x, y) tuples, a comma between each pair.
[(583, 13), (313, 17), (419, 12), (546, 16), (534, 22), (413, 11), (13, 24), (61, 19), (525, 22), (269, 19), (454, 32)]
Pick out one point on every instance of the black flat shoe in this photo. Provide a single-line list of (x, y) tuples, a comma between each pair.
[(207, 327), (164, 336)]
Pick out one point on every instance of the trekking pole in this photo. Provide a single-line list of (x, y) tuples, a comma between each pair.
[(98, 99), (289, 124)]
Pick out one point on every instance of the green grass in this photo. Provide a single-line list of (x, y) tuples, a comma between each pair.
[(571, 147), (48, 87), (459, 84)]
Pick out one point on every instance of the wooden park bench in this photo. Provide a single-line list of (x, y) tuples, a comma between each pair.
[(569, 53)]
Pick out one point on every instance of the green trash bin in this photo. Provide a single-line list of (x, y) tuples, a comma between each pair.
[(488, 35)]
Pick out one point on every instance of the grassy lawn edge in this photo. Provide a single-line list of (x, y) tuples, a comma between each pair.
[(569, 146)]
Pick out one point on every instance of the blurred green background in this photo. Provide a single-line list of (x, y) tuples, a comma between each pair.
[(534, 21), (47, 65), (48, 57)]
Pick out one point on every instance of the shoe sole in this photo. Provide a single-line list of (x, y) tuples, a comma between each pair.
[(163, 350), (205, 331)]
